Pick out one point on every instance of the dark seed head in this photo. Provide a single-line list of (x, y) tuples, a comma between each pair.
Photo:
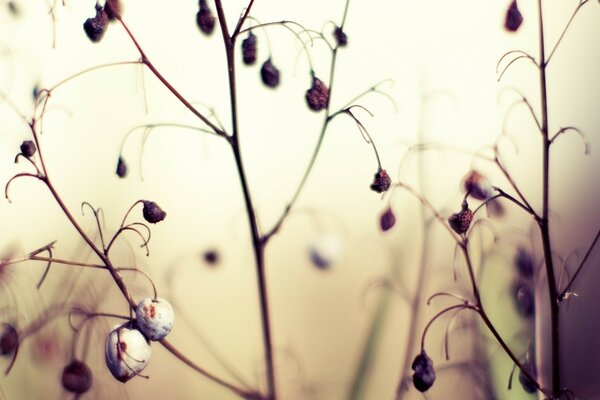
[(524, 263), (113, 8), (424, 375), (387, 220), (528, 385), (28, 148), (340, 37), (513, 19), (249, 49), (121, 168), (77, 377), (269, 74), (211, 257), (381, 181), (477, 186), (524, 300), (205, 19), (317, 96), (9, 341), (460, 221), (96, 27), (152, 212)]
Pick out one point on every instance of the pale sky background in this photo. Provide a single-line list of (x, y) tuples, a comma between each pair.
[(320, 318)]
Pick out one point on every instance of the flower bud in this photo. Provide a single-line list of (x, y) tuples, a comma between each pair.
[(269, 74), (127, 353), (249, 49), (154, 318), (387, 220), (121, 168), (528, 385), (28, 148), (9, 341), (513, 19), (205, 19), (424, 375), (113, 9), (478, 186), (460, 221), (340, 37), (317, 96), (77, 377), (152, 212), (381, 181)]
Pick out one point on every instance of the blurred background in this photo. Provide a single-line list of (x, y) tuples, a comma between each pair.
[(346, 330)]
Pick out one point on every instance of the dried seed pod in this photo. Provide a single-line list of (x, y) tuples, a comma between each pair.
[(528, 385), (387, 220), (317, 96), (340, 37), (152, 212), (113, 8), (381, 181), (28, 148), (325, 250), (77, 377), (269, 74), (460, 221), (121, 170), (205, 18), (154, 318), (249, 49), (513, 19), (478, 186), (524, 263), (96, 27), (9, 341), (424, 375), (127, 352)]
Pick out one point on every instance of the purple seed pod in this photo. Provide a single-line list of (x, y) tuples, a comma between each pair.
[(96, 27), (152, 212), (127, 353), (317, 96), (460, 221), (28, 148), (269, 74), (528, 385), (477, 186), (513, 19), (154, 318), (249, 49), (211, 257), (387, 220), (381, 181), (121, 170), (77, 377), (205, 19), (113, 9), (9, 341), (524, 300), (424, 375), (524, 263), (340, 37)]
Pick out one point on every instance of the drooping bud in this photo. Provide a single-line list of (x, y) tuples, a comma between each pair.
[(28, 148), (424, 375), (460, 221), (121, 170), (249, 49), (513, 19), (269, 74), (77, 377), (340, 37), (387, 220), (152, 212), (205, 18), (154, 318), (381, 181), (9, 341), (325, 250), (317, 96), (127, 353), (478, 186), (528, 385), (113, 9)]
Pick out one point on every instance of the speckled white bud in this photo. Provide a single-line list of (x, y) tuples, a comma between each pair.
[(127, 352), (155, 318)]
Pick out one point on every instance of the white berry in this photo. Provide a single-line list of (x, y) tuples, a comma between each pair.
[(155, 318), (127, 352)]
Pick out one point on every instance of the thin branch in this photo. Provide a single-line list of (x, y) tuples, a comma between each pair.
[(565, 291)]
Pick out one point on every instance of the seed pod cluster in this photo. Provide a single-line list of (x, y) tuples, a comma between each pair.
[(424, 375), (381, 181), (205, 18), (514, 18), (317, 97)]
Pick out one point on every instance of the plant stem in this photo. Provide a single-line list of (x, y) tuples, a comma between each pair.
[(544, 223)]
